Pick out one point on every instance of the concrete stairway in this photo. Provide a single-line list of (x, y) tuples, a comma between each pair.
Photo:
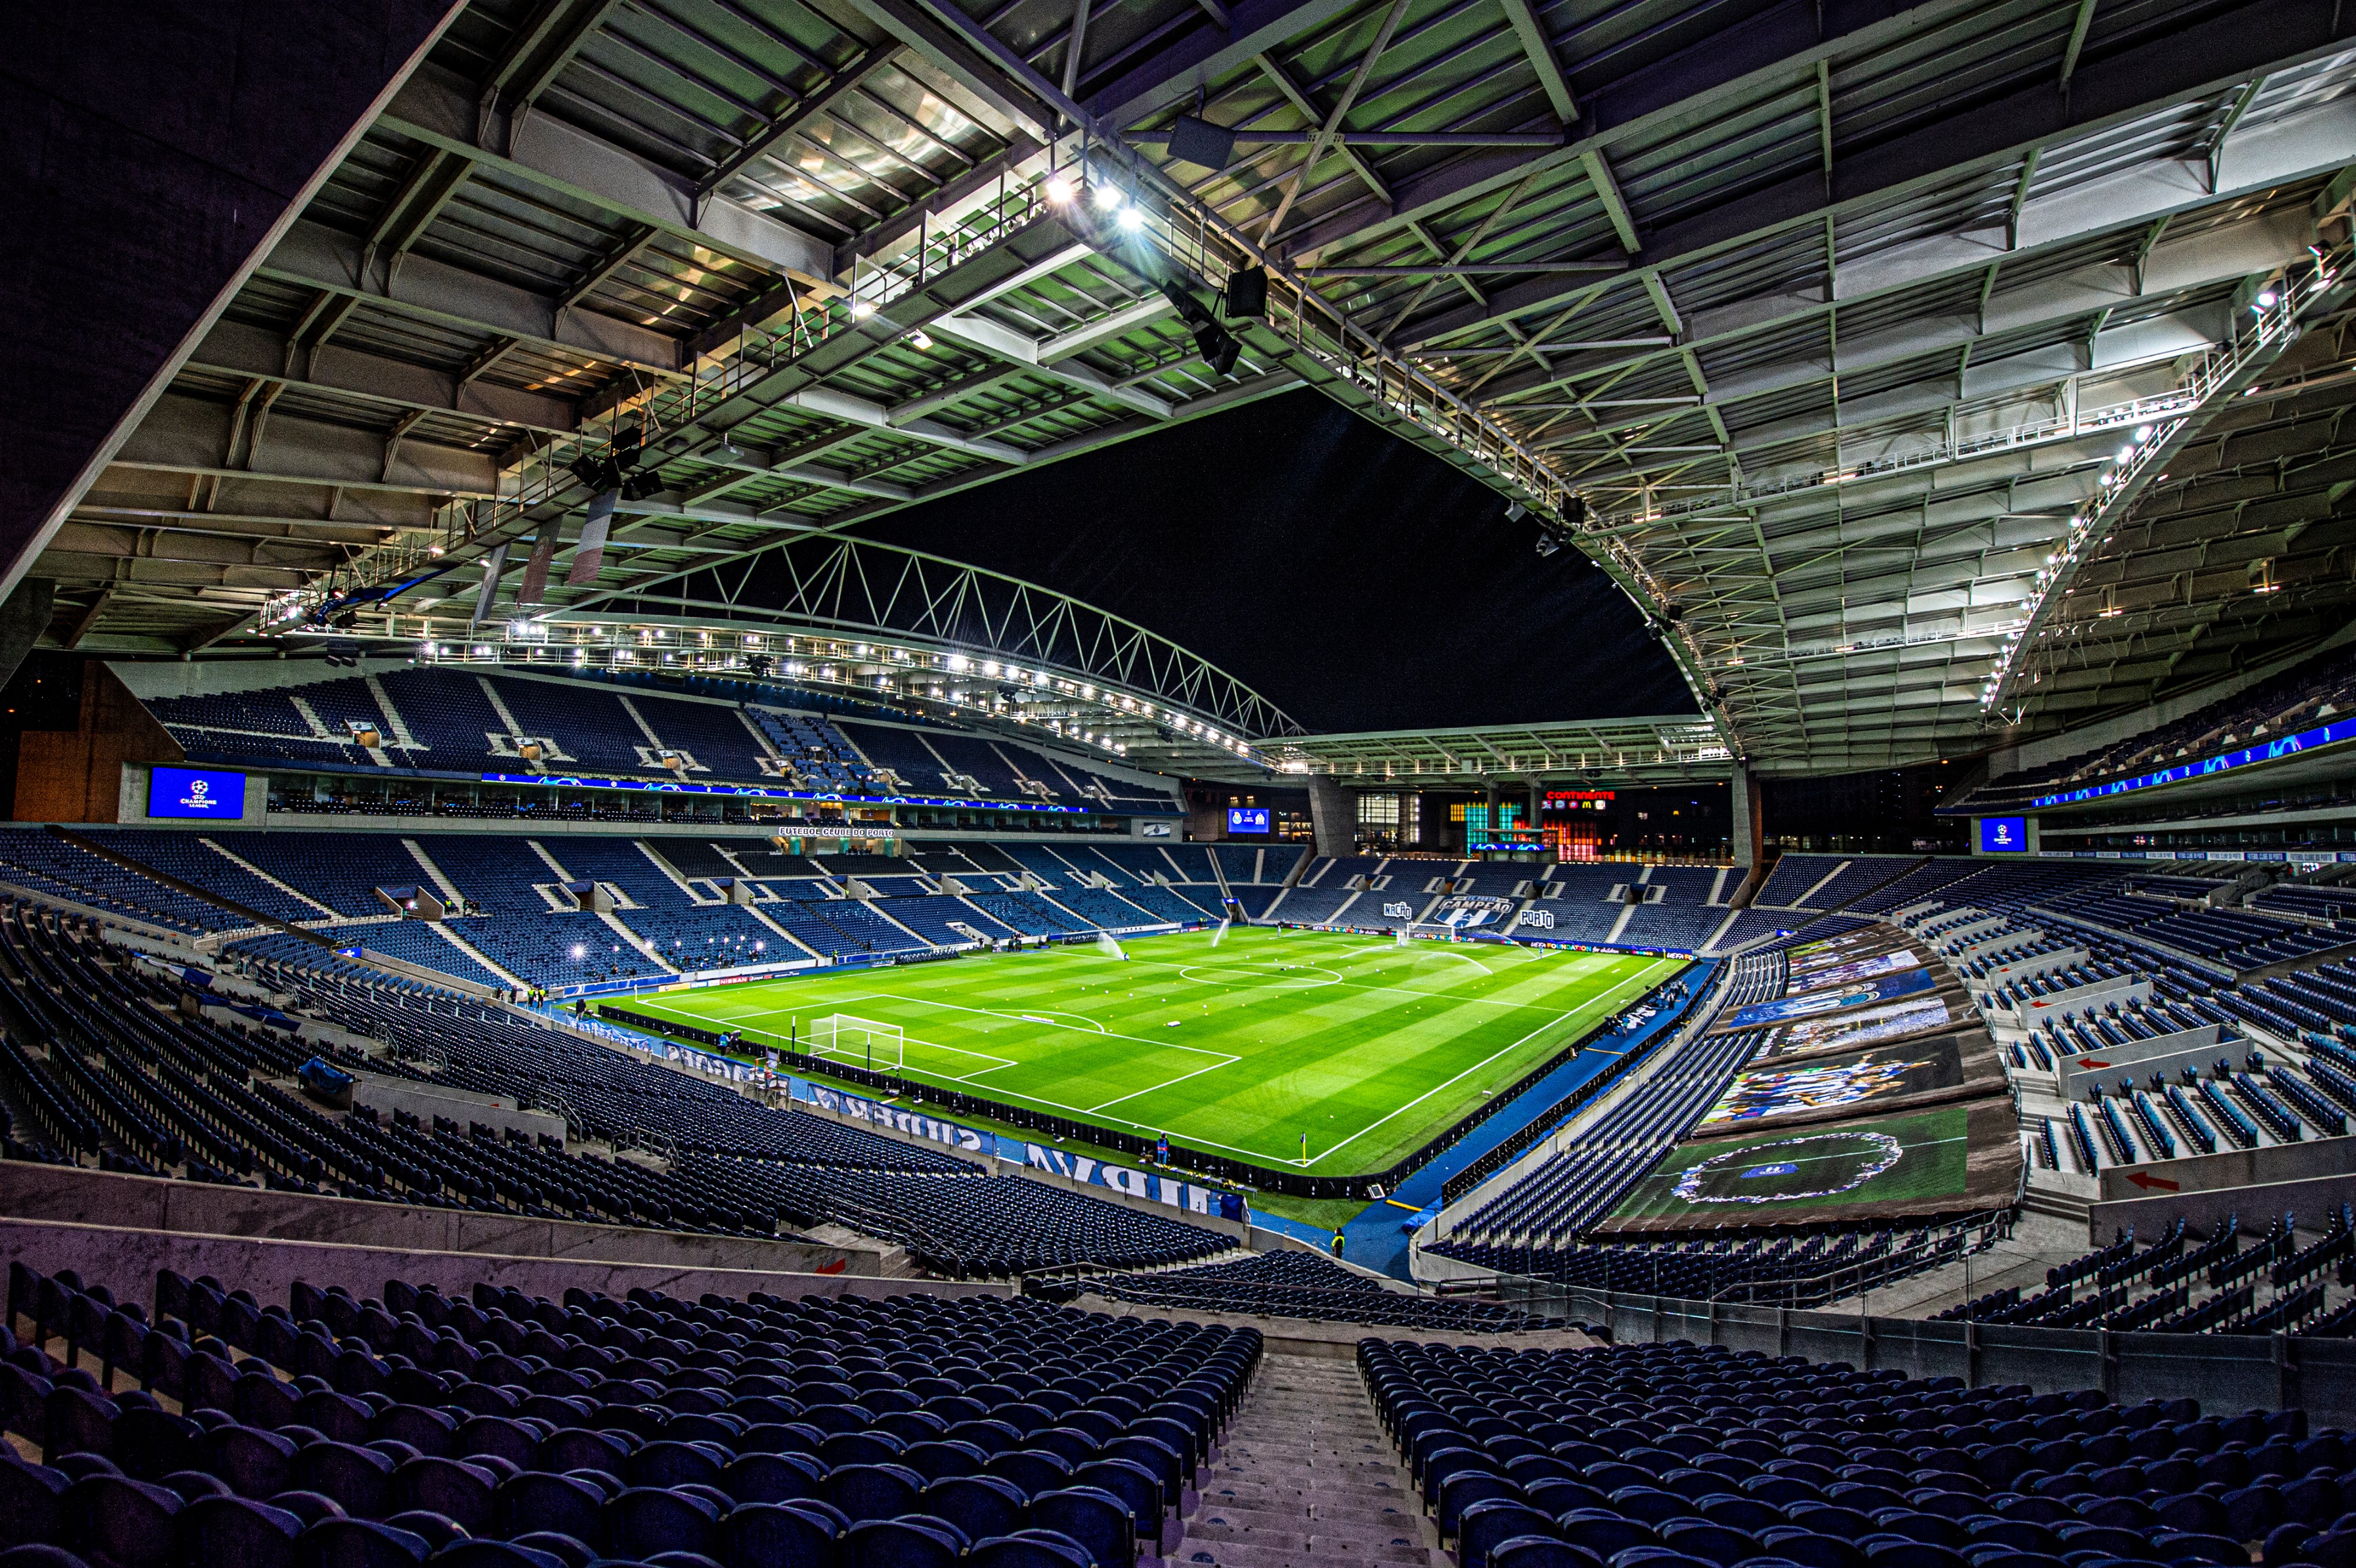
[(1305, 1477)]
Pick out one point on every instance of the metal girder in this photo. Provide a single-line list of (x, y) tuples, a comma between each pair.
[(2310, 296), (539, 52), (236, 348), (844, 586), (1671, 748), (1283, 80), (838, 89), (188, 435), (2208, 56), (1169, 76), (436, 109), (970, 68), (1332, 120), (320, 258), (1004, 343), (1539, 49)]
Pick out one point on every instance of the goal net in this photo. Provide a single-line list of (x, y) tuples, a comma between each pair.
[(862, 1042)]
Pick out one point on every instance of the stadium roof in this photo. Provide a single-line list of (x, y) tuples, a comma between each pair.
[(1671, 750), (1833, 316)]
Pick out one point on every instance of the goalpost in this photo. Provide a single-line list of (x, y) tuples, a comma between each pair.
[(862, 1042)]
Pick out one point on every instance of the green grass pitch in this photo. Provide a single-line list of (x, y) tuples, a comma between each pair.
[(1236, 1045)]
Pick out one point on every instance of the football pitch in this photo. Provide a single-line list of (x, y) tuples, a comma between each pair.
[(1238, 1045)]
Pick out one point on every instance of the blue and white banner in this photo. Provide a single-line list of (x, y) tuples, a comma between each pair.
[(915, 1124), (1150, 1185), (710, 1066)]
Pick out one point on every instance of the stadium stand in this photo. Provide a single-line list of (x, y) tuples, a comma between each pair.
[(2312, 691), (1299, 1285), (222, 1102), (1793, 878), (1520, 1456), (489, 1425)]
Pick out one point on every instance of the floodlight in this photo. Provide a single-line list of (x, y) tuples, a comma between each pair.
[(1059, 189), (643, 484), (1131, 219), (918, 339), (2266, 299), (1106, 196)]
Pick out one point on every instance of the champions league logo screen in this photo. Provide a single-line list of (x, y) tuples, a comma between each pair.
[(191, 793)]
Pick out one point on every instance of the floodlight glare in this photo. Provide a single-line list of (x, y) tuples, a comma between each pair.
[(1059, 189), (2266, 299), (1131, 219), (1106, 197)]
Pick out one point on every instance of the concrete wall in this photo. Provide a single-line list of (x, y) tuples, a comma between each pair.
[(126, 1262), (81, 775), (2233, 1171), (66, 1196), (2308, 1195), (157, 153), (387, 1095)]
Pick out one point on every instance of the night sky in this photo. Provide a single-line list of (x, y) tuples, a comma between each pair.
[(1350, 578)]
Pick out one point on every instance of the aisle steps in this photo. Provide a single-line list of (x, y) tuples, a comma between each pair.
[(1306, 1477)]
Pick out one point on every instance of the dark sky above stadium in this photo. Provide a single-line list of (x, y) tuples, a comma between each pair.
[(1352, 580)]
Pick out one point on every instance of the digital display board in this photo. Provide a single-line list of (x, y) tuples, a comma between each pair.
[(1246, 819), (2004, 835), (1562, 802), (195, 793)]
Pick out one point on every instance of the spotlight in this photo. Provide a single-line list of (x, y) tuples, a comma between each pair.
[(1547, 544), (2266, 299), (1574, 512), (918, 339), (1106, 197), (1131, 219), (1059, 189), (1516, 512), (642, 485)]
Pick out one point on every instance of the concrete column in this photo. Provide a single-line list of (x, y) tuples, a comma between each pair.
[(1747, 829), (1333, 816), (166, 149), (1537, 802)]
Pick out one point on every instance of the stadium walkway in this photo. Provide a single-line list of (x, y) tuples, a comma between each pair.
[(1305, 1477)]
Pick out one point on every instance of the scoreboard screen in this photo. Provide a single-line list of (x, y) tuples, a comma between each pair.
[(1246, 819)]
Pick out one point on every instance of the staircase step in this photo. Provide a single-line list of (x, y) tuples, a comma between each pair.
[(1305, 1477)]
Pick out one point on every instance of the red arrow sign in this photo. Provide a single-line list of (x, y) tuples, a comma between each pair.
[(2150, 1182), (2090, 1061)]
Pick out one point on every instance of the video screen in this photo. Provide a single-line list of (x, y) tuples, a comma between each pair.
[(1246, 819), (196, 793), (2004, 835)]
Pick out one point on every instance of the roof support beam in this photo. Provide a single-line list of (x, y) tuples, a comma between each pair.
[(1540, 50), (1011, 346), (2078, 28), (435, 109), (965, 64), (1333, 121), (326, 259), (538, 54), (762, 143), (2220, 51), (1299, 99), (1607, 191)]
